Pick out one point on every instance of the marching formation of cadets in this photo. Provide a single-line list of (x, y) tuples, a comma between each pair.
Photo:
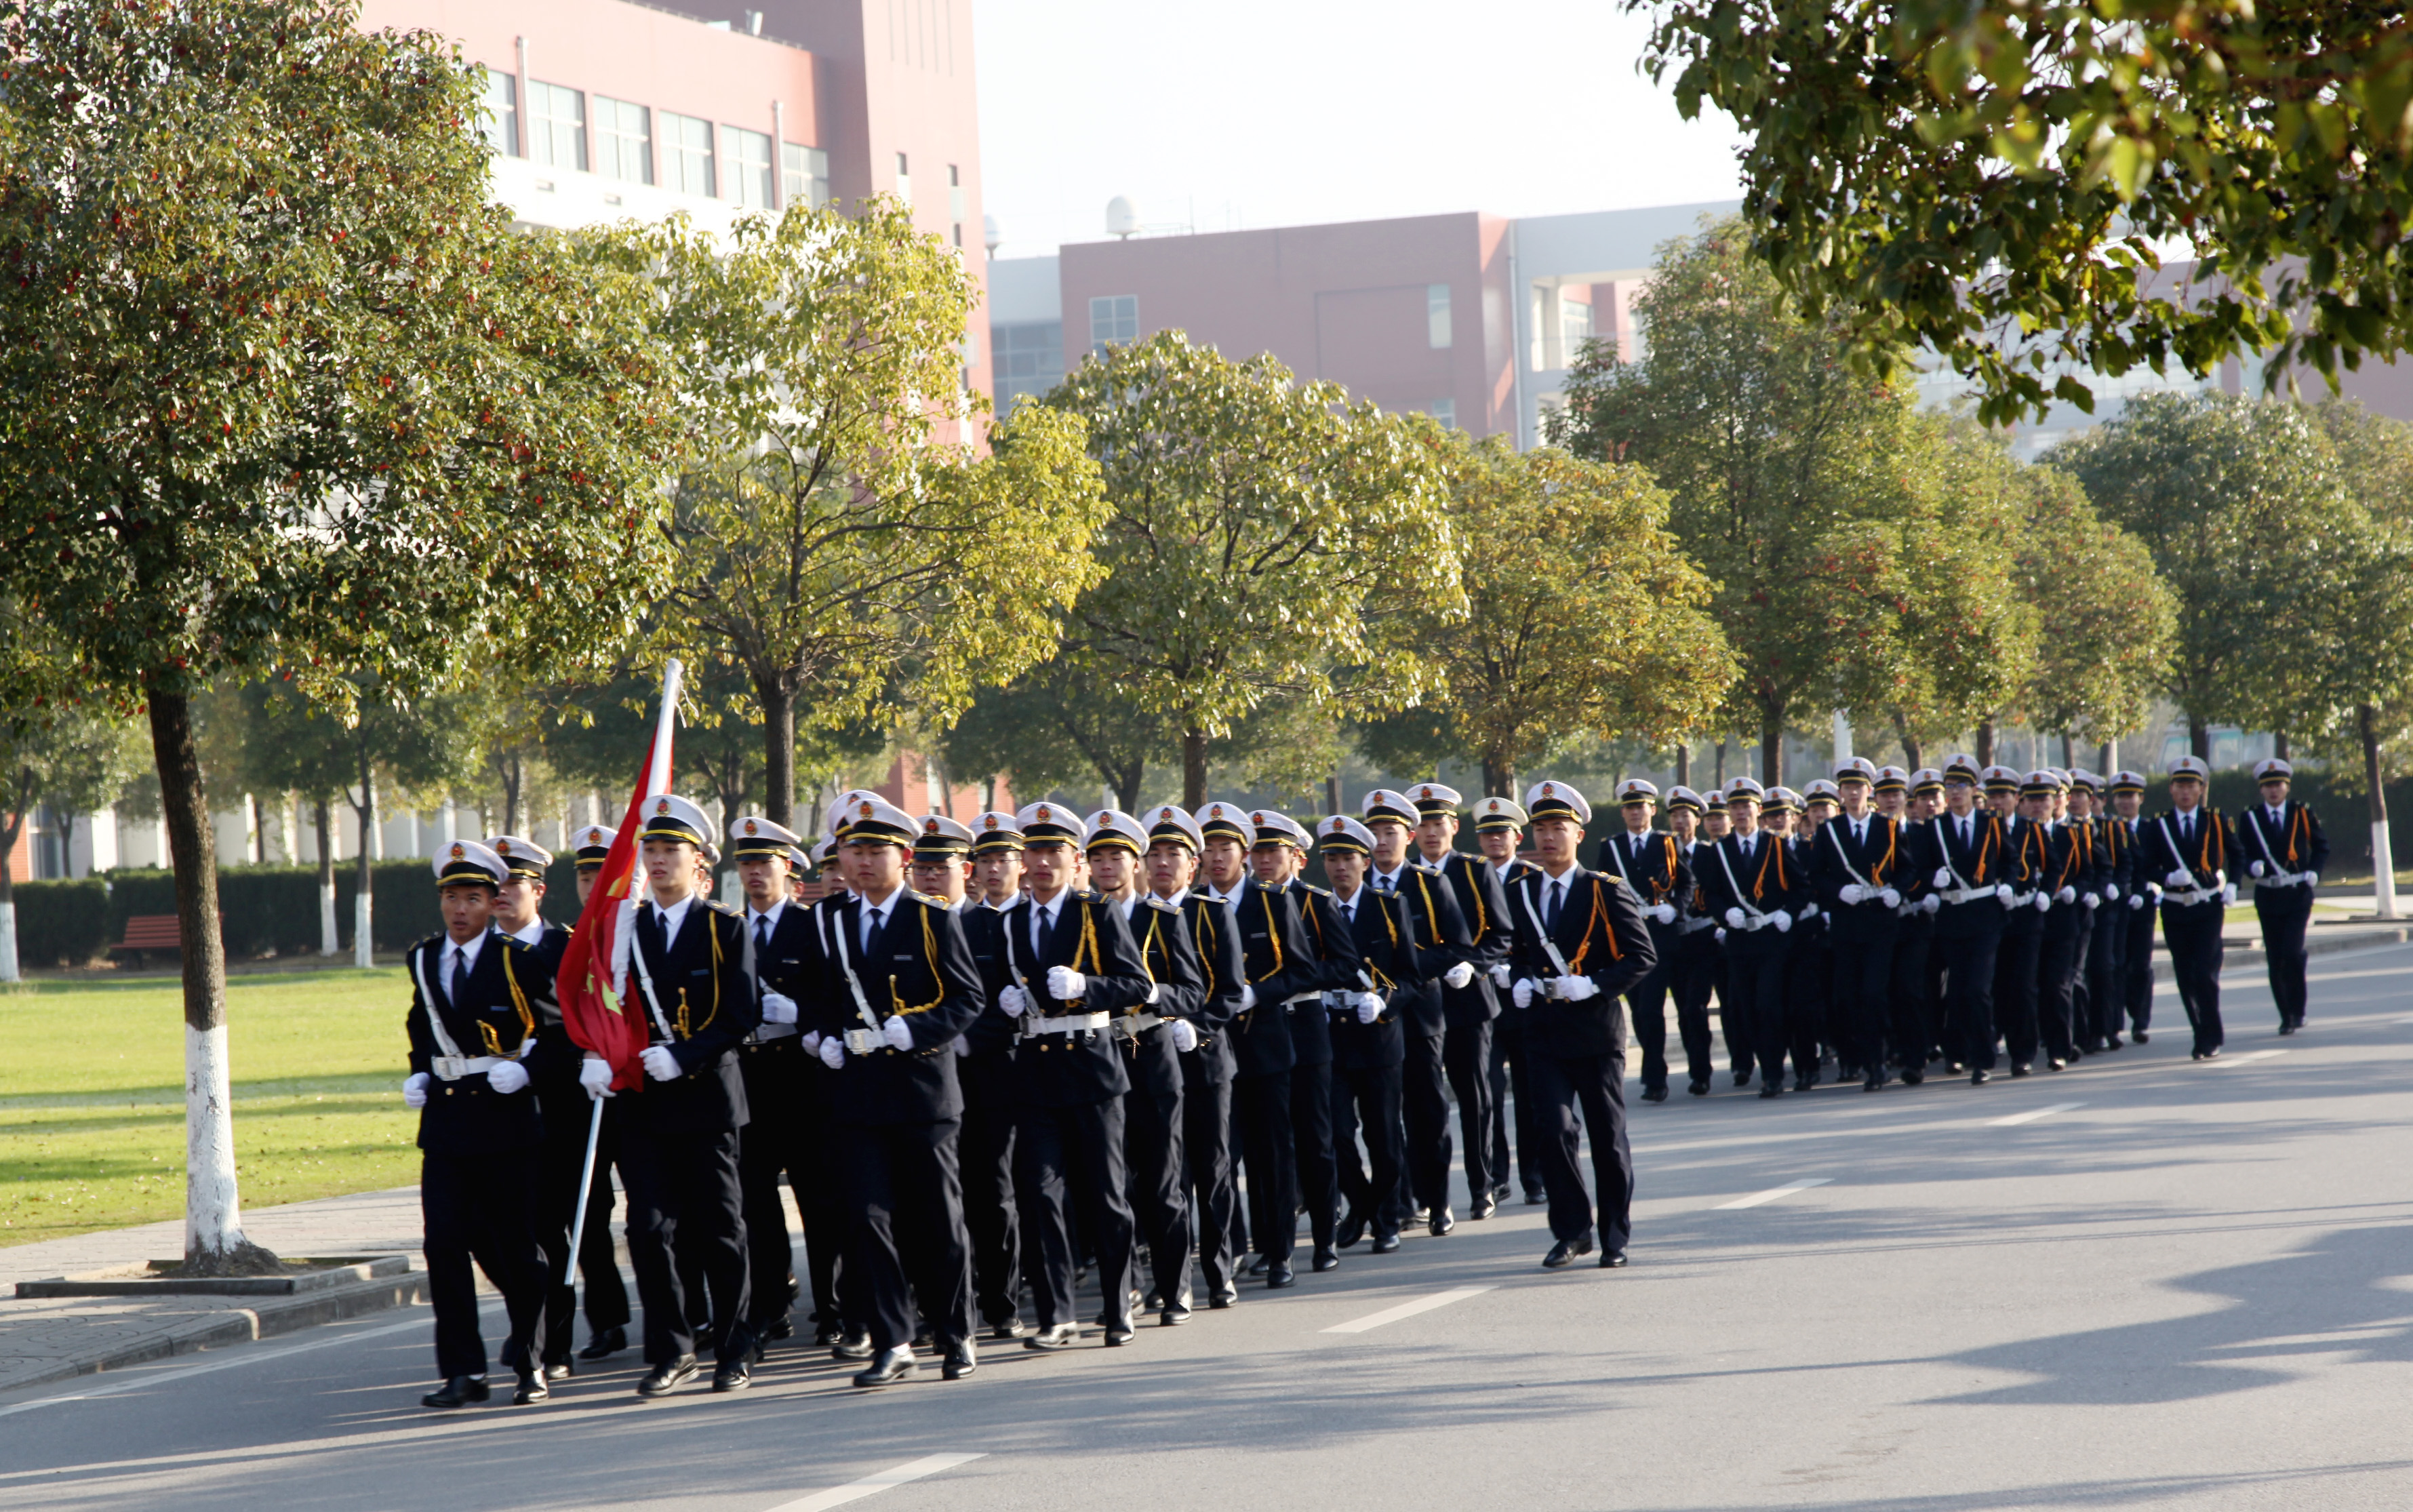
[(994, 1054)]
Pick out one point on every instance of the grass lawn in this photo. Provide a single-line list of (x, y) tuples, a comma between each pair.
[(91, 1096)]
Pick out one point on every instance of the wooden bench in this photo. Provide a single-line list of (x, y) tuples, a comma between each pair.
[(148, 933)]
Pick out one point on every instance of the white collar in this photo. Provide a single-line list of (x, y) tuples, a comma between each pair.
[(533, 934), (771, 913), (1175, 901), (1053, 909), (1231, 896), (673, 916), (468, 952), (1374, 874)]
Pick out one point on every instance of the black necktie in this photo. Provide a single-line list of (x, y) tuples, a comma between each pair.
[(459, 987), (762, 934), (1550, 909), (1046, 934)]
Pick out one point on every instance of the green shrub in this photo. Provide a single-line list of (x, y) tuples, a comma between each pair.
[(62, 923)]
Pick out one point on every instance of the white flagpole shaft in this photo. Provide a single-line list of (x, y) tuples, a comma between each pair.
[(586, 1184), (658, 776)]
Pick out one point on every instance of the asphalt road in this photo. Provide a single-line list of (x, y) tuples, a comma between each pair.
[(2142, 1282)]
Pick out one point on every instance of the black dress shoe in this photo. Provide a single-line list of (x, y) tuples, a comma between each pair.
[(1118, 1332), (559, 1371), (925, 1338), (1655, 1095), (1443, 1222), (1351, 1230), (1743, 1078), (1386, 1244), (1980, 1077), (886, 1368), (1802, 1084), (1175, 1315), (1770, 1090), (608, 1343), (1324, 1260), (1222, 1296), (2213, 1054), (1534, 1199), (1259, 1266), (1485, 1206), (459, 1391), (2195, 1053), (532, 1388), (733, 1374), (1564, 1252), (1278, 1276), (1955, 1067), (2111, 1044), (777, 1328), (2021, 1068), (852, 1346), (1913, 1075), (1009, 1328), (2055, 1063), (2288, 1027), (1612, 1259), (1698, 1089), (961, 1362), (1062, 1336), (1876, 1078), (664, 1379), (828, 1337), (2139, 1036)]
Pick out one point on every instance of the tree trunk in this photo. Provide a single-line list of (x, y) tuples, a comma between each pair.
[(2279, 743), (778, 753), (2383, 857), (515, 774), (1683, 764), (2107, 758), (364, 904), (1193, 769), (1985, 743), (2200, 739), (329, 940), (213, 1241), (12, 824), (2068, 756), (1771, 749), (1126, 786), (1499, 777), (67, 842), (1332, 794), (1721, 777)]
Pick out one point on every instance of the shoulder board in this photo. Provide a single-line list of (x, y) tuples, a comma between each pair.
[(1319, 892), (1161, 905), (514, 943), (721, 909), (1613, 876), (432, 942), (925, 898)]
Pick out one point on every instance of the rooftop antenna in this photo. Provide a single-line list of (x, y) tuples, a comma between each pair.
[(1122, 218)]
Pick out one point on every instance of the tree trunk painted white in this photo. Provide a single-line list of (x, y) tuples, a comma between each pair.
[(1842, 737), (330, 942), (363, 941), (213, 1209), (9, 972), (2383, 869)]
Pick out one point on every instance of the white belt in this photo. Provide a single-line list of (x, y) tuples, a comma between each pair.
[(1695, 925), (1297, 997), (1135, 1025), (1067, 1024), (866, 1042), (455, 1067), (1753, 923), (2285, 879), (764, 1033), (2192, 897), (1966, 894)]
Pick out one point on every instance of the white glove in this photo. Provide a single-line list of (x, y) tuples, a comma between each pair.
[(2112, 891), (1064, 984), (2135, 900), (2093, 901), (2228, 896), (1890, 898), (1718, 935), (1013, 1003), (1247, 996), (1782, 921), (1369, 1006), (1185, 1039), (1578, 989), (2004, 895), (961, 1046), (414, 1090), (596, 1077), (2312, 879), (833, 1052), (1734, 918), (509, 1076), (1853, 893), (1523, 994), (1664, 913), (660, 1063), (2068, 895), (812, 1041), (777, 1008), (1932, 903), (1499, 976), (2179, 877), (2254, 869), (1943, 876), (1809, 910), (1459, 975), (2043, 901), (899, 1033)]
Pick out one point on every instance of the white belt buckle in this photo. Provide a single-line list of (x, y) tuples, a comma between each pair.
[(865, 1041), (450, 1067)]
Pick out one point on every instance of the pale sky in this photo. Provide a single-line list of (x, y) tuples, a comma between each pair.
[(1256, 113)]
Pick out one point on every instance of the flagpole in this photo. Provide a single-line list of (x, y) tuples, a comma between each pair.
[(657, 774)]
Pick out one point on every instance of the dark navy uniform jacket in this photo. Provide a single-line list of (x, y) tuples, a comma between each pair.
[(1772, 878), (1384, 935), (1484, 905), (1065, 1070), (2295, 843), (1278, 961), (509, 998), (2209, 856), (701, 1004), (917, 967), (1338, 969), (1442, 940), (1224, 971), (1882, 860), (1599, 935)]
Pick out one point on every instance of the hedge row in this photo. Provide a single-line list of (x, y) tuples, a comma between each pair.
[(61, 923)]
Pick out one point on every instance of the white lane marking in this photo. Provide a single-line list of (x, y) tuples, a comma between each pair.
[(1772, 1193), (1407, 1310), (2405, 1021), (2250, 1054), (181, 1373), (855, 1490), (2033, 1114)]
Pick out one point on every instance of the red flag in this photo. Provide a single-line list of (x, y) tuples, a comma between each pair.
[(591, 1010)]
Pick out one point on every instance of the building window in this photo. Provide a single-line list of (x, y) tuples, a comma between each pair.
[(687, 155), (904, 180), (1574, 329), (749, 165), (956, 200), (1444, 410), (805, 175), (556, 125), (624, 140), (1436, 317), (1029, 360), (1112, 318), (500, 119)]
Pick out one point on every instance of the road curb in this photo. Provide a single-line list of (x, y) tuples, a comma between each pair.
[(239, 1325), (2245, 957)]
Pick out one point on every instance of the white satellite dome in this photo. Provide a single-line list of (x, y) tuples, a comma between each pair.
[(1122, 216), (990, 235)]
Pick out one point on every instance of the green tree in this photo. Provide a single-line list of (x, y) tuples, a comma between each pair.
[(2242, 505), (1586, 621), (72, 759), (1060, 726), (284, 391), (843, 537), (1792, 481), (1263, 536), (1963, 170)]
